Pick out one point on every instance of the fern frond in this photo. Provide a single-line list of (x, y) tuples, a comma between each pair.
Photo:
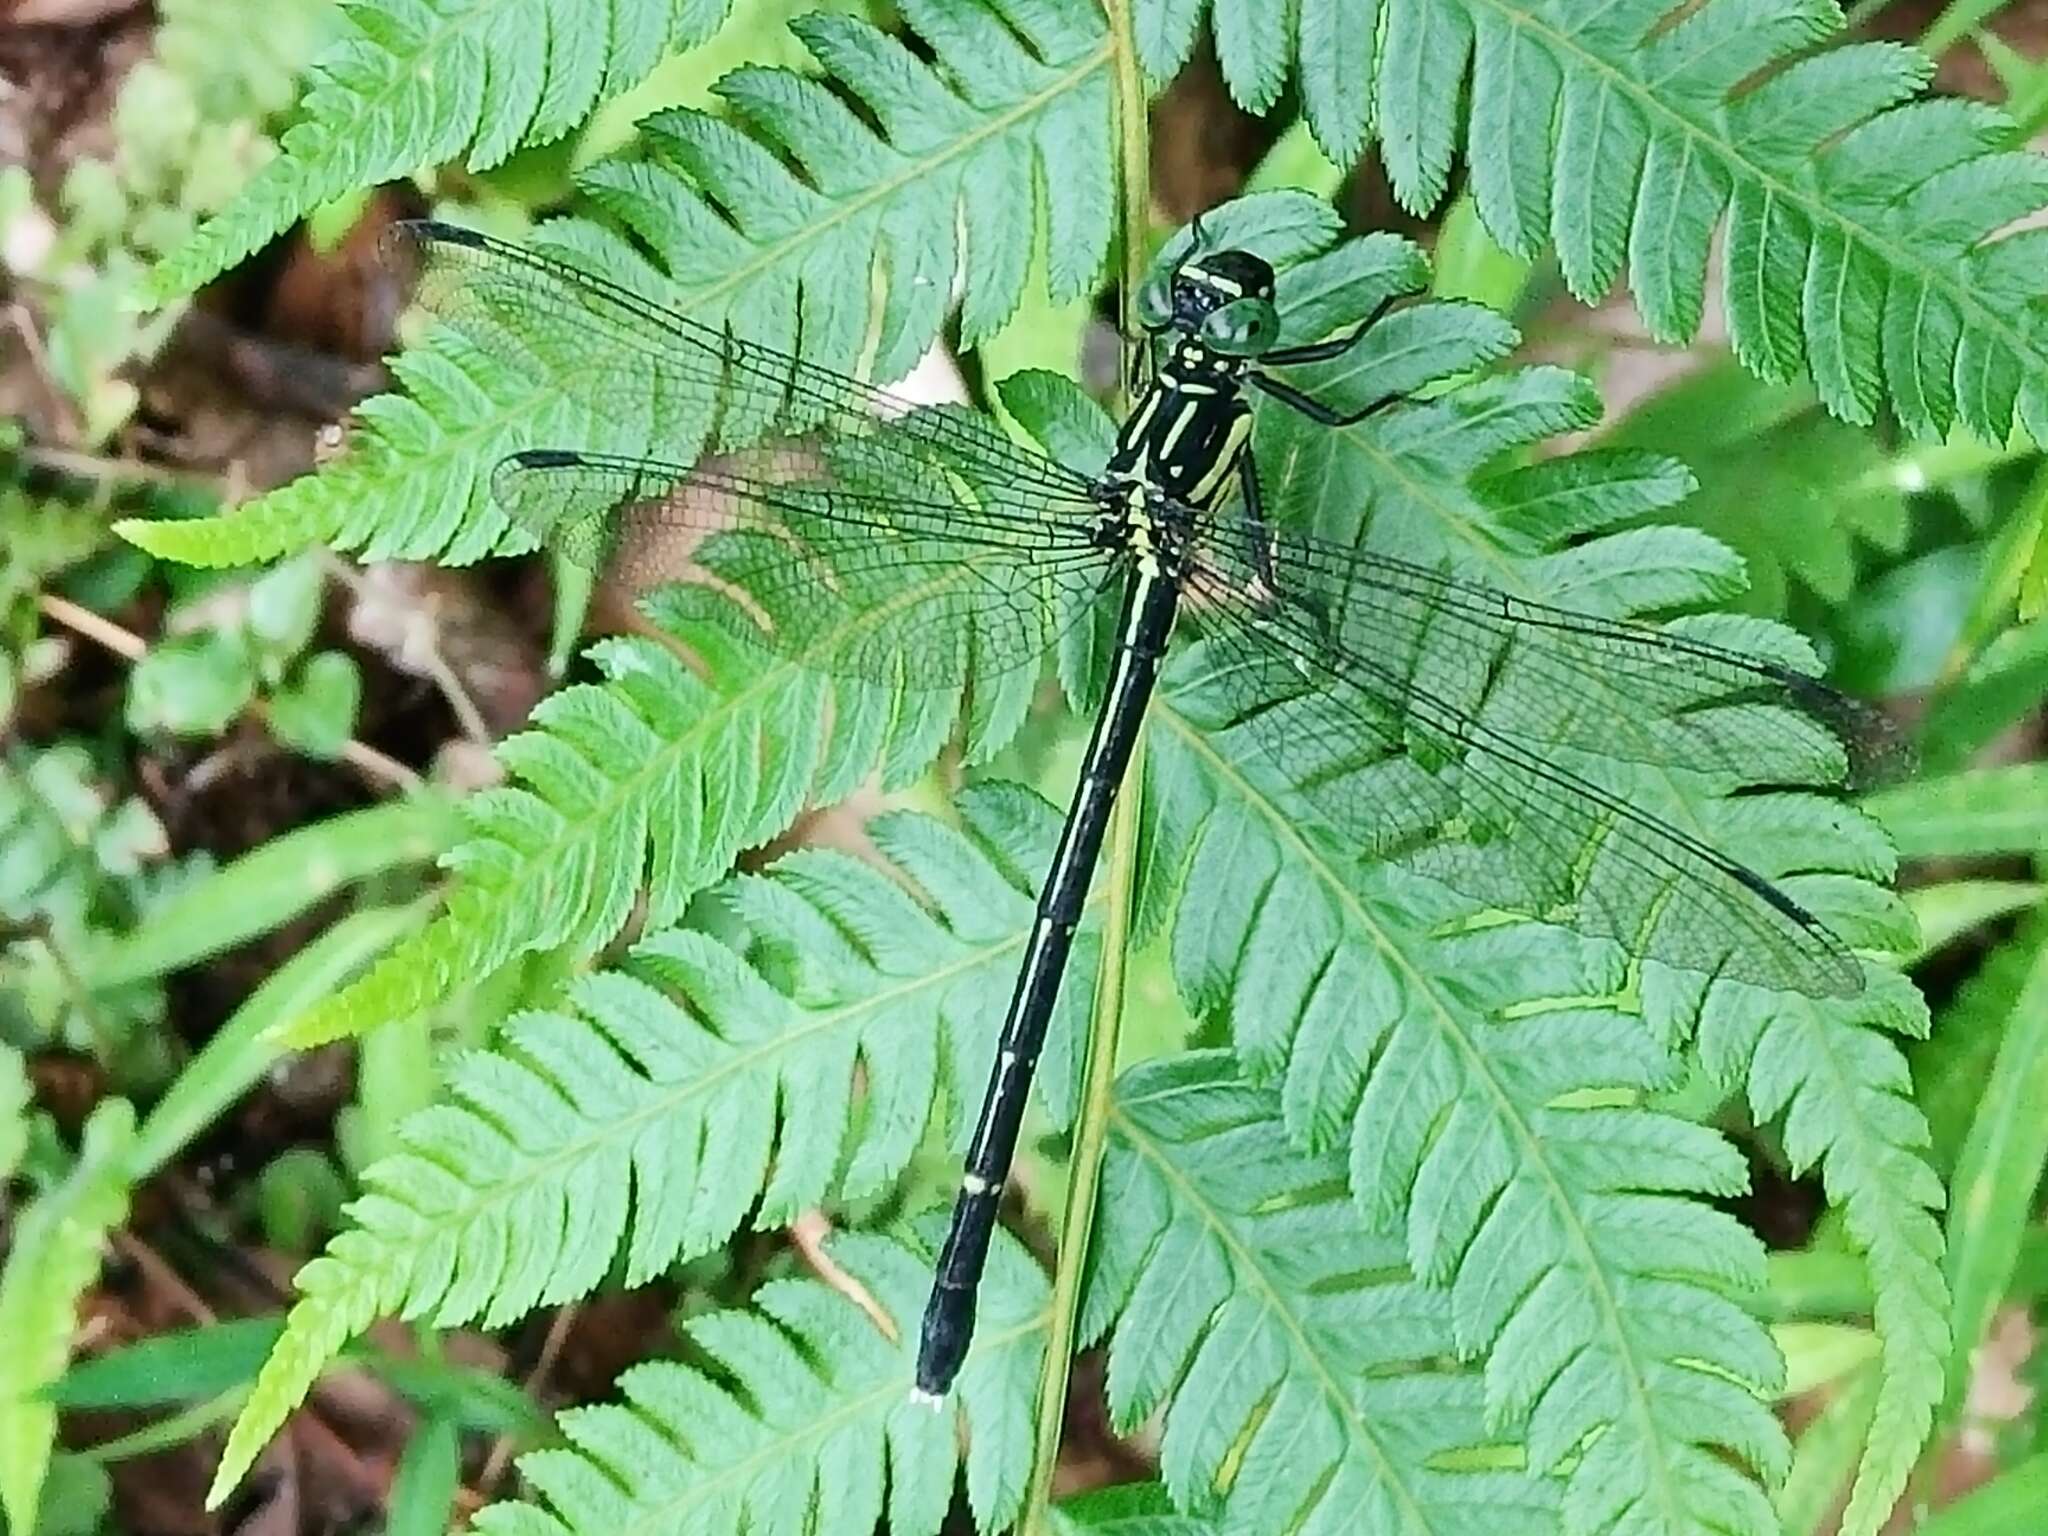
[(800, 1417), (1579, 1251), (1863, 226), (686, 1093), (419, 82), (54, 1256), (863, 237), (1846, 1098), (1296, 1360)]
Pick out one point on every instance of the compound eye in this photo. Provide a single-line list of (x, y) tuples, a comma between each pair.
[(1242, 328), (1155, 304)]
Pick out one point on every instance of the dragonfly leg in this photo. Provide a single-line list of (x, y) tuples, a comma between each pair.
[(1313, 408), (1336, 346), (1258, 535), (1259, 545)]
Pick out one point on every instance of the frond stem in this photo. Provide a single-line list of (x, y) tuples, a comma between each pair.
[(1091, 1123), (1084, 1164), (1134, 173)]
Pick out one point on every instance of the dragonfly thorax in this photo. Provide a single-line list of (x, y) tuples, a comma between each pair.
[(1185, 436)]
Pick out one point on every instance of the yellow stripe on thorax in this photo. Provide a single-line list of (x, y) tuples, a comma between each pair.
[(1225, 461)]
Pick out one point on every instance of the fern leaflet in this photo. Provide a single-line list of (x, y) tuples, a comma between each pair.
[(419, 82), (1296, 1359), (54, 1256), (800, 1418), (1846, 1098), (1863, 225)]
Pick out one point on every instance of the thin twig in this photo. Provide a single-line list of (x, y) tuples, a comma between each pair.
[(62, 404), (161, 1275), (374, 765), (500, 1456), (105, 471), (809, 1232), (438, 671), (124, 643)]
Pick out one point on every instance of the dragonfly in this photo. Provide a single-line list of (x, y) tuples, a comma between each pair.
[(1416, 716)]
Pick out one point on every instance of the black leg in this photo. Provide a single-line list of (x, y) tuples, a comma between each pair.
[(1259, 539), (1312, 408), (1336, 346), (1257, 535)]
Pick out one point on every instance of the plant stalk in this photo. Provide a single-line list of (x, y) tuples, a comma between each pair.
[(1091, 1122), (1135, 174), (1084, 1164)]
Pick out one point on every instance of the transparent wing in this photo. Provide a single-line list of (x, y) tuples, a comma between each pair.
[(1443, 722), (679, 387), (1551, 676), (912, 582)]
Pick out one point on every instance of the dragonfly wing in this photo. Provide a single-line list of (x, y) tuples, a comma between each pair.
[(908, 582), (1423, 724), (658, 382), (1549, 676)]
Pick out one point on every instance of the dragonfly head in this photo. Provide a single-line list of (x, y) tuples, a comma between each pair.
[(1221, 299)]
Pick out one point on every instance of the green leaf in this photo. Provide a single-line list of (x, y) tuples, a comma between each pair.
[(1476, 1084), (180, 1366), (55, 1255), (274, 883), (194, 685), (429, 1475), (647, 1120), (468, 1397), (1298, 1365), (793, 220), (2002, 1505), (1844, 1092), (2004, 683), (801, 1412), (653, 781), (1969, 814), (1803, 498), (284, 608), (76, 1497), (1953, 908), (1811, 1497), (417, 82), (1866, 229), (2000, 1165), (316, 713), (15, 1099), (1128, 1509)]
